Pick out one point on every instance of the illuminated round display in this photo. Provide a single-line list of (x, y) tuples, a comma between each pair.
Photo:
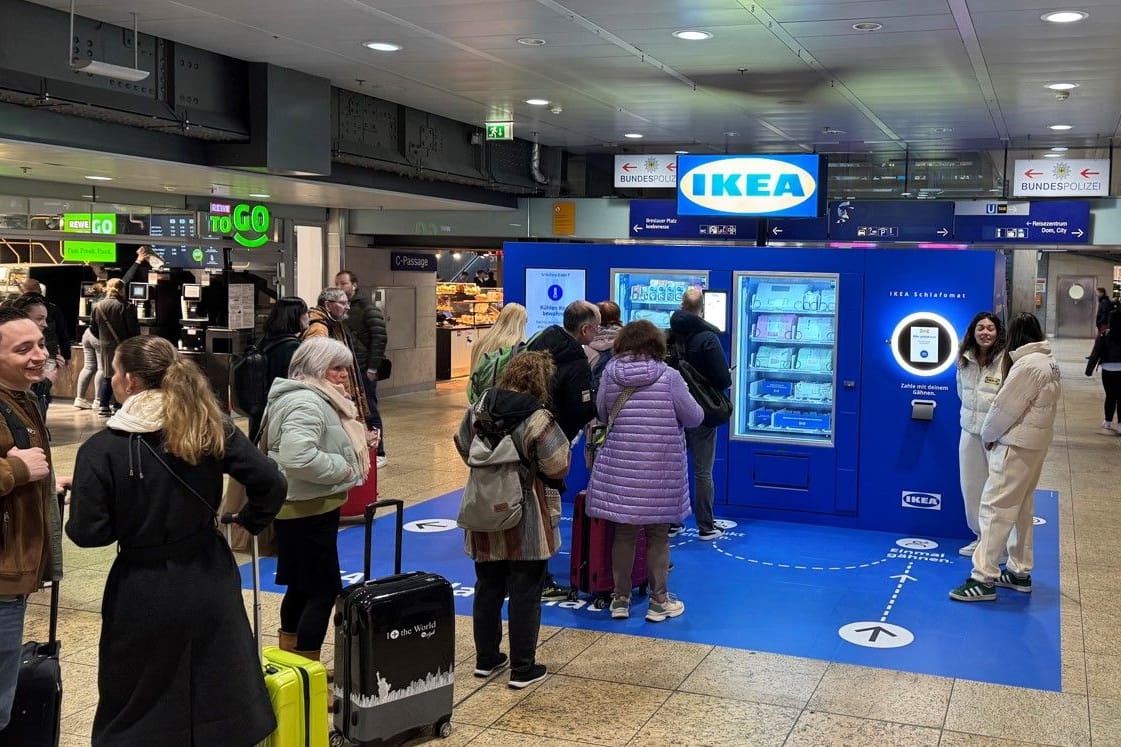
[(924, 344)]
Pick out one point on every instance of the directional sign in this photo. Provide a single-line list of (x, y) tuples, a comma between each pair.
[(658, 219), (650, 171), (891, 220), (1043, 222), (1061, 177), (431, 525), (875, 634), (500, 130), (797, 229)]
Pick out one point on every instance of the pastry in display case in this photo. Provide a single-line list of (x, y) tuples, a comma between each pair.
[(653, 294), (785, 350), (467, 305)]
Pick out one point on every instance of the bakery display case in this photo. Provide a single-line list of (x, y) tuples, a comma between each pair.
[(463, 312)]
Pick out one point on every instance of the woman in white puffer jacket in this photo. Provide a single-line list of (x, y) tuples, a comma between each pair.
[(979, 376), (1017, 431)]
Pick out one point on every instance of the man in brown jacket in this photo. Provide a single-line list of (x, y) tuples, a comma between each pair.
[(31, 538), (327, 319)]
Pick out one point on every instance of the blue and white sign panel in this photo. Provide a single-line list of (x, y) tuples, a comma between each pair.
[(412, 262), (891, 220), (547, 292), (658, 219), (1045, 222), (797, 229), (772, 185)]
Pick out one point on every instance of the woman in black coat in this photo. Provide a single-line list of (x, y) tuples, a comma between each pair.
[(287, 321), (177, 663)]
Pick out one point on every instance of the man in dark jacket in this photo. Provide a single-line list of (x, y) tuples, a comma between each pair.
[(702, 349), (31, 513), (366, 323), (1105, 306)]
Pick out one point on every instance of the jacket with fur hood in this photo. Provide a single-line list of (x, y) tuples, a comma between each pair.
[(1023, 412), (977, 388)]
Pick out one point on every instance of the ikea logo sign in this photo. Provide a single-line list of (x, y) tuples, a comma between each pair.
[(787, 186), (928, 501)]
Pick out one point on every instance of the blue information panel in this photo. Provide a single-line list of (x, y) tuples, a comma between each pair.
[(1046, 222), (797, 229), (891, 220), (658, 219), (548, 291)]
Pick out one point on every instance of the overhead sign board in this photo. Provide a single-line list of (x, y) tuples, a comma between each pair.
[(248, 225), (646, 171), (500, 130), (658, 219), (1061, 177), (785, 186), (797, 229), (89, 251), (891, 220), (412, 262), (1037, 222), (103, 223)]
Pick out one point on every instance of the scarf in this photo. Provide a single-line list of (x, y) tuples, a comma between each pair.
[(348, 416), (140, 413)]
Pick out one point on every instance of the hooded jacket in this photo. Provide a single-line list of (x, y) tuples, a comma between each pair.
[(322, 324), (1105, 351), (702, 347), (570, 398), (1023, 411), (540, 441), (603, 342), (640, 472), (977, 387)]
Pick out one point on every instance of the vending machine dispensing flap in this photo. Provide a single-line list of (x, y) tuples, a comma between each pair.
[(922, 409)]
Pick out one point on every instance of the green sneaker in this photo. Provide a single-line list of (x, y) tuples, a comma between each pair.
[(974, 591), (659, 611), (620, 608), (1010, 580)]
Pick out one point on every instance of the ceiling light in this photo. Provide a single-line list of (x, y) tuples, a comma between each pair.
[(692, 35), (1052, 155), (382, 46), (831, 131), (1062, 86), (633, 135), (942, 130), (681, 152), (1064, 16), (1061, 127), (1060, 149), (96, 178), (867, 26), (457, 255), (109, 70), (259, 195), (530, 41), (731, 134), (537, 102)]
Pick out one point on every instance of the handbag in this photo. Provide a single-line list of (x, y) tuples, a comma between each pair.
[(596, 435), (715, 403), (234, 499), (385, 369)]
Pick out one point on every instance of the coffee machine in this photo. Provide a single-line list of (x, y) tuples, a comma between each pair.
[(193, 320), (140, 295), (89, 296)]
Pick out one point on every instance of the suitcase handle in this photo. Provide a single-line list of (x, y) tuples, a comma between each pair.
[(371, 510), (228, 520)]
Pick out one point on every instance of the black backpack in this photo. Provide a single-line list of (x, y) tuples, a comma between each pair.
[(250, 379)]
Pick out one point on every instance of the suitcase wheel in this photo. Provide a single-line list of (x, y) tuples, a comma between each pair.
[(443, 728), (572, 594), (601, 603), (338, 740)]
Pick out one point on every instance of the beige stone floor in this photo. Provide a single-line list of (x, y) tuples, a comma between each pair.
[(614, 689)]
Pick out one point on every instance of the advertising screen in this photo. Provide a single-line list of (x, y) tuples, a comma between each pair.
[(547, 292)]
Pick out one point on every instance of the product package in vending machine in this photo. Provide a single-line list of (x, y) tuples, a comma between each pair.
[(771, 296), (815, 329), (813, 391), (828, 300), (775, 326), (815, 359), (771, 357), (772, 388), (762, 417)]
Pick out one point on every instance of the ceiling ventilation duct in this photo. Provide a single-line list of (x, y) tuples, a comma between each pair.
[(535, 163)]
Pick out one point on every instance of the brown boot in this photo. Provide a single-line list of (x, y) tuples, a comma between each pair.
[(314, 656), (287, 640)]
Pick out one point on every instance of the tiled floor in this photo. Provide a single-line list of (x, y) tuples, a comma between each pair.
[(613, 689)]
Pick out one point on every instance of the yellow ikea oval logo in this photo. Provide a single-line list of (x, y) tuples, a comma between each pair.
[(748, 186)]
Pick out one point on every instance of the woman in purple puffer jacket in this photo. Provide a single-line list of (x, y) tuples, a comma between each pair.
[(640, 476)]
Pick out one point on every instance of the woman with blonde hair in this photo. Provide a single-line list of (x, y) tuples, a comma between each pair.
[(177, 663), (495, 348)]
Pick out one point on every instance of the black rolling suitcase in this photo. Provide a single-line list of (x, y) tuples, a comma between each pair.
[(36, 719), (394, 650)]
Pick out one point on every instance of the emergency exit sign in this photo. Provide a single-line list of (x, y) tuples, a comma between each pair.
[(500, 130)]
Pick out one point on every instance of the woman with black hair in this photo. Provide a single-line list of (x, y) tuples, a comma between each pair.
[(1107, 354), (978, 379), (287, 321), (1017, 432)]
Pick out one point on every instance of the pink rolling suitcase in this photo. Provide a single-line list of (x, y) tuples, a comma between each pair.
[(591, 570)]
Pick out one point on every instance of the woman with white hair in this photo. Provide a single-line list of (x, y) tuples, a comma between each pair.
[(313, 432)]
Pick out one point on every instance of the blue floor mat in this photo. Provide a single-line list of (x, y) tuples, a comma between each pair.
[(859, 597)]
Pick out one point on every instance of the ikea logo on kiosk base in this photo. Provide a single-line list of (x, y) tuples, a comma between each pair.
[(916, 499), (750, 185)]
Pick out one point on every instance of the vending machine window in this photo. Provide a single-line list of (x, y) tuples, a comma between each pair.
[(653, 294), (785, 349)]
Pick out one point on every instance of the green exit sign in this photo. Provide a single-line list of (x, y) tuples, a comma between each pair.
[(500, 130)]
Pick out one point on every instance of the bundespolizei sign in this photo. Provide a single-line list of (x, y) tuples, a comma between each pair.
[(753, 186), (1061, 177)]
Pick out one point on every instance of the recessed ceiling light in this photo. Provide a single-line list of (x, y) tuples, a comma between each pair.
[(942, 130), (867, 26), (260, 195), (1062, 86), (1061, 127), (633, 135), (1060, 149), (530, 41), (96, 178), (831, 131), (692, 35), (1064, 16), (1052, 155), (681, 152), (731, 134), (382, 46), (537, 102)]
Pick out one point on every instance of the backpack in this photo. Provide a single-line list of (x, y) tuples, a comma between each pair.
[(493, 497), (490, 368), (601, 363), (715, 403), (250, 379)]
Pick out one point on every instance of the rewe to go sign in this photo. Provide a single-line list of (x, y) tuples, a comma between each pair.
[(248, 225)]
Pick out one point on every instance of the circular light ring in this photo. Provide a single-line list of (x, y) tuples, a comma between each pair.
[(940, 321), (1064, 16), (1062, 86), (692, 35), (867, 26), (531, 41)]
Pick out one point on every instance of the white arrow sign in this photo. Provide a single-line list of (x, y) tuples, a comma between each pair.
[(1079, 233), (637, 227), (903, 578), (430, 525), (943, 232), (776, 230)]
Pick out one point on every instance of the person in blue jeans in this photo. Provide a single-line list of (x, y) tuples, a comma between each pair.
[(702, 349), (30, 511)]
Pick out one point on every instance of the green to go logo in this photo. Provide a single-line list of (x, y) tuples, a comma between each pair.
[(248, 225)]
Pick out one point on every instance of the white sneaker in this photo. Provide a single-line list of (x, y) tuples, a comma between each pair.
[(83, 404), (1107, 427), (382, 461), (967, 551)]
